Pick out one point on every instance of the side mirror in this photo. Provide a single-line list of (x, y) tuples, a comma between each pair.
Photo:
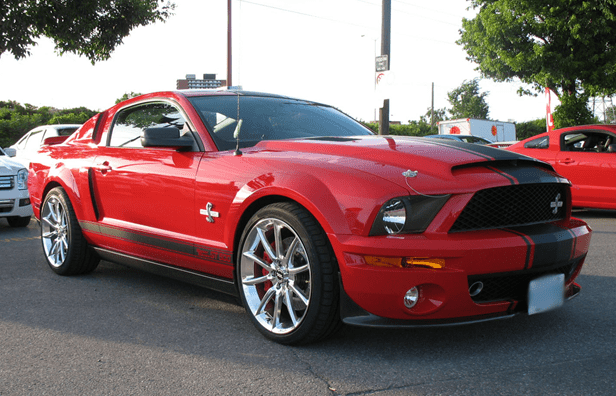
[(610, 149), (165, 137), (11, 152)]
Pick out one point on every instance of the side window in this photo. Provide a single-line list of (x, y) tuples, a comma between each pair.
[(539, 143), (21, 144), (129, 124), (34, 141), (594, 142)]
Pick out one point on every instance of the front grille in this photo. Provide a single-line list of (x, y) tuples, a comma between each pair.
[(514, 285), (6, 205), (513, 206), (7, 182)]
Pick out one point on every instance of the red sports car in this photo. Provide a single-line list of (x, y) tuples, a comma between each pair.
[(306, 215), (586, 155)]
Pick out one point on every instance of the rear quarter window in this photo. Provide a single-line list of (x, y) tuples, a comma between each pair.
[(539, 143)]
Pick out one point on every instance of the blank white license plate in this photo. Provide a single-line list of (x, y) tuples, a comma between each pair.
[(546, 293)]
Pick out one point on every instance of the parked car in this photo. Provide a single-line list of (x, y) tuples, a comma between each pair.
[(586, 155), (461, 138), (503, 145), (306, 215), (14, 199), (28, 145)]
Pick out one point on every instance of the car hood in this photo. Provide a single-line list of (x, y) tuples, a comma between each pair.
[(388, 157), (9, 166)]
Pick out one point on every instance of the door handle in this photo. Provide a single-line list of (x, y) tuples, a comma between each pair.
[(566, 161), (103, 167)]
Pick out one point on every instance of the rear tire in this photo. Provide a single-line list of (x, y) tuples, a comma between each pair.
[(286, 273), (64, 245), (16, 221)]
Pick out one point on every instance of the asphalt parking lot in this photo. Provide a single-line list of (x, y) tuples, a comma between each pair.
[(119, 331)]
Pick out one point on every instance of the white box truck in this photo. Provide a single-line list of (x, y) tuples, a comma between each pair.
[(494, 131)]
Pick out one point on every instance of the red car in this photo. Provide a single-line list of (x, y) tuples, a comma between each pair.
[(306, 215), (586, 155)]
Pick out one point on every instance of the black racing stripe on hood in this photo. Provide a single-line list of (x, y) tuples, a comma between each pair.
[(487, 152), (468, 148), (505, 175), (527, 172)]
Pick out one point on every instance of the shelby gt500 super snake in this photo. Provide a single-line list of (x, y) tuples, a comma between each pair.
[(306, 215)]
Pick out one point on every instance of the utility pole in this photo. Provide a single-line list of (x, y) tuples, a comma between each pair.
[(385, 50), (432, 111), (229, 52)]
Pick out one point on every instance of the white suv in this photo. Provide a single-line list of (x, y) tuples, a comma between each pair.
[(31, 141), (14, 197)]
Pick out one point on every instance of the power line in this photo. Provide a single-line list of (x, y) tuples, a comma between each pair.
[(398, 33), (307, 15), (423, 16)]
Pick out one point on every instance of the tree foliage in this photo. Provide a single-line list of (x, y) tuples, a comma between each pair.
[(573, 110), (92, 28), (127, 96), (524, 130), (467, 102), (17, 119), (567, 46)]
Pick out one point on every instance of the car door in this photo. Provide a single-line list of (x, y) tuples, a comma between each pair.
[(583, 159), (144, 195)]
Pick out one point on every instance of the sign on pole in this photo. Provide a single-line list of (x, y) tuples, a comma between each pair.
[(382, 63)]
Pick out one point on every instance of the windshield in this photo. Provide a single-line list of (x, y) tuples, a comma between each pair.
[(474, 139), (2, 151), (267, 118)]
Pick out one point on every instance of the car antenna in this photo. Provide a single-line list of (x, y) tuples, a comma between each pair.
[(236, 133)]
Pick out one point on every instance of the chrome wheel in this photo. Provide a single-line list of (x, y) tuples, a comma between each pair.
[(55, 231), (275, 276)]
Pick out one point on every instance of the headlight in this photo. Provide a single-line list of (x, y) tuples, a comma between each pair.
[(406, 215), (22, 179), (394, 216)]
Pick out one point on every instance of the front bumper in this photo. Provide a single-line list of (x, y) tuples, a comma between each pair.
[(15, 202), (504, 260)]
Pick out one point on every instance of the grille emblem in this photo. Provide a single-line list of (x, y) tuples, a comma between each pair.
[(557, 203)]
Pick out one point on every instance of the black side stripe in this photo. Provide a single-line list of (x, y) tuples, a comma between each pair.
[(173, 246)]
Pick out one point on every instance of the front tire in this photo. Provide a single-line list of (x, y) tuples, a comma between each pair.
[(65, 247), (18, 222), (286, 272)]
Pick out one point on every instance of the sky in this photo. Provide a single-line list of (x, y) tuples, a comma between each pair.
[(321, 50)]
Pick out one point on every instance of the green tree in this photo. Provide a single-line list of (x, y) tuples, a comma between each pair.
[(567, 46), (92, 28), (426, 119), (15, 119), (524, 130), (467, 102), (127, 96)]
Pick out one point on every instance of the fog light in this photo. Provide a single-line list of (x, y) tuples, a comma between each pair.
[(411, 297)]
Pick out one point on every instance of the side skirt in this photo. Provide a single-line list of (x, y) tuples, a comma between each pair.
[(196, 278)]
